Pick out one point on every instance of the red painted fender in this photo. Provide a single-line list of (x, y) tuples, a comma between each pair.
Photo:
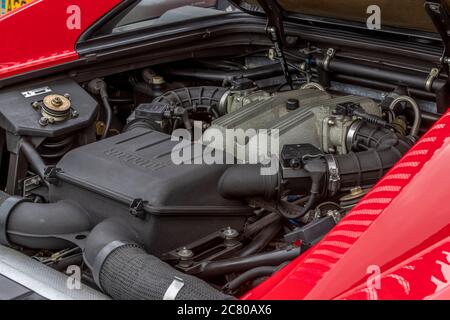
[(41, 34), (424, 276)]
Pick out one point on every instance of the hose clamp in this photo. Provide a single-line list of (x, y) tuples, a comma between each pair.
[(174, 289), (5, 210), (223, 103), (334, 179), (102, 256), (351, 134)]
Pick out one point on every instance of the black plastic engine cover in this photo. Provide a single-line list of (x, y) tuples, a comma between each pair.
[(181, 202)]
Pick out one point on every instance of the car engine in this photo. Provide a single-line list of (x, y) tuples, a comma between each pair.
[(89, 176)]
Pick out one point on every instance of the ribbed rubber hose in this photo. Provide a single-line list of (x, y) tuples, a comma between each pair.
[(195, 96), (384, 149), (126, 272), (129, 273)]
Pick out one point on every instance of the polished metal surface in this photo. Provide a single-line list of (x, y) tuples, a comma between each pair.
[(41, 279)]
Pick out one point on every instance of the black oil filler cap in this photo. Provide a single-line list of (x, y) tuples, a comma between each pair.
[(292, 104)]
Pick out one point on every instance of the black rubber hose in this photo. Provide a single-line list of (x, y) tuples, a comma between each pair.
[(108, 113), (99, 87), (261, 240), (384, 149), (254, 228), (238, 264), (34, 159), (188, 98), (41, 225), (246, 181), (248, 276), (312, 200), (126, 272)]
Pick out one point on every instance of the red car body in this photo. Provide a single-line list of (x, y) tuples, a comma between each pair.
[(394, 245)]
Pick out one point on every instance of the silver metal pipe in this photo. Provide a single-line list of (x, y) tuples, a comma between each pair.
[(41, 279)]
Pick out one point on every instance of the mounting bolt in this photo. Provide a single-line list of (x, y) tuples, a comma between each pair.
[(75, 114), (43, 121), (295, 163), (35, 181), (67, 95), (185, 256), (230, 236), (272, 55), (35, 105)]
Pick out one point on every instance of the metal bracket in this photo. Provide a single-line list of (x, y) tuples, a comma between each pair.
[(137, 208), (439, 14), (51, 175), (30, 184), (328, 57), (275, 29)]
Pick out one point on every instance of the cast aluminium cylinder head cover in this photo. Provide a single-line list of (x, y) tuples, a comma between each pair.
[(312, 122)]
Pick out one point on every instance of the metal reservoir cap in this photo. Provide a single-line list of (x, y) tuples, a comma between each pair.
[(56, 108)]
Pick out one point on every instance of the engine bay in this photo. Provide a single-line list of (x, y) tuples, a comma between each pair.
[(96, 157)]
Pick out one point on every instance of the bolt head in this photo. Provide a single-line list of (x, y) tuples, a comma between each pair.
[(57, 102), (185, 253), (295, 163), (230, 233), (43, 121)]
